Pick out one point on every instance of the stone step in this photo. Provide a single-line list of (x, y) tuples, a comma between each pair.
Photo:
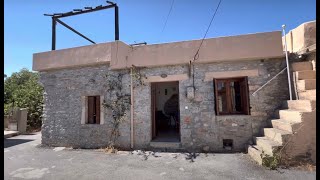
[(277, 135), (308, 95), (309, 74), (291, 115), (289, 126), (313, 64), (255, 153), (169, 145), (8, 134), (306, 84), (304, 105), (301, 66), (268, 146)]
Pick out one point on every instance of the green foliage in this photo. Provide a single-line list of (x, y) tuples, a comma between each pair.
[(22, 90), (137, 76), (118, 102), (271, 162)]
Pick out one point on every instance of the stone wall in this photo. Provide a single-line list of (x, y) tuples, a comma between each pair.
[(63, 108), (312, 57), (201, 129)]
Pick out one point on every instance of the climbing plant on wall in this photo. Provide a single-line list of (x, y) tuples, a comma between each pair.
[(118, 101), (137, 76)]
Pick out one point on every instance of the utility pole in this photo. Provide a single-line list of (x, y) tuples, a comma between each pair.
[(116, 21)]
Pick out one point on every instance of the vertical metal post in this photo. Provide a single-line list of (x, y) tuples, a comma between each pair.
[(116, 19), (287, 60), (131, 110), (53, 47)]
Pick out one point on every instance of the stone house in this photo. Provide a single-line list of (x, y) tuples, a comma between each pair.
[(216, 108)]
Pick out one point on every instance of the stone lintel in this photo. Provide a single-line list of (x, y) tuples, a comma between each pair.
[(229, 74), (176, 77)]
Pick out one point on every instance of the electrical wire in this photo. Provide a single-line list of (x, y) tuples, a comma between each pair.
[(165, 23), (215, 12), (196, 56)]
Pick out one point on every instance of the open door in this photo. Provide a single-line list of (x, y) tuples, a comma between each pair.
[(153, 110), (165, 112)]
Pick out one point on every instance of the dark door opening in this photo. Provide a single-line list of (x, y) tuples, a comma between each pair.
[(165, 112)]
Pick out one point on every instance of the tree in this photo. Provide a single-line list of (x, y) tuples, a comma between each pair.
[(22, 90)]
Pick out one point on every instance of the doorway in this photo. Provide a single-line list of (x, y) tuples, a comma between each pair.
[(165, 112)]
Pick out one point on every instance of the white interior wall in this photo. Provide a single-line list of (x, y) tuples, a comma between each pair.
[(161, 98)]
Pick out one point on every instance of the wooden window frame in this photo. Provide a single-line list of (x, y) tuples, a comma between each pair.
[(244, 95), (99, 112), (93, 115)]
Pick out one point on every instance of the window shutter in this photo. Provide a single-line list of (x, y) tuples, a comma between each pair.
[(90, 109), (97, 109), (245, 96), (229, 105), (216, 95)]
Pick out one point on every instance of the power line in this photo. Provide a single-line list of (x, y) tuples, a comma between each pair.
[(215, 12), (196, 56), (165, 23)]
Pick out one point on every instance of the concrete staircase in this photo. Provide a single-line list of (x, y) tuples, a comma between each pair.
[(290, 118)]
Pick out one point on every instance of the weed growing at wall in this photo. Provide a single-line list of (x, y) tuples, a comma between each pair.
[(280, 156), (271, 162)]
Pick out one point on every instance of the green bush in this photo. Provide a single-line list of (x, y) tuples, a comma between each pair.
[(271, 162), (22, 90)]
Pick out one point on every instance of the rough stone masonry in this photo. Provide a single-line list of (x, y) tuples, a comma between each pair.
[(201, 129)]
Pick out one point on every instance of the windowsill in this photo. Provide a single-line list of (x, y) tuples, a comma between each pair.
[(92, 124), (233, 115)]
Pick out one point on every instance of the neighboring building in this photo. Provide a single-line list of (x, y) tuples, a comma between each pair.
[(211, 106)]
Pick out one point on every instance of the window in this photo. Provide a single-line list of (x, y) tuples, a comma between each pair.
[(93, 110), (227, 144), (231, 96)]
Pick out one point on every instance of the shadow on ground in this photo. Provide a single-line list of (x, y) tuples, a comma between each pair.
[(12, 142)]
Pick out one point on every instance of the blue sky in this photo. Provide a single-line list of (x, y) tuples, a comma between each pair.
[(27, 31)]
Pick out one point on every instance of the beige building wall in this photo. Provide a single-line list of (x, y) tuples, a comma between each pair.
[(302, 37), (120, 55), (72, 57), (232, 48)]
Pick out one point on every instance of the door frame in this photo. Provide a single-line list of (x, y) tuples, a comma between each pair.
[(153, 95), (153, 110)]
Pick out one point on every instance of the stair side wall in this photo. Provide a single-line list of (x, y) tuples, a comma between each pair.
[(303, 141)]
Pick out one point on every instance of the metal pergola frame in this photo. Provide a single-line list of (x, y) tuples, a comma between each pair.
[(56, 18)]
